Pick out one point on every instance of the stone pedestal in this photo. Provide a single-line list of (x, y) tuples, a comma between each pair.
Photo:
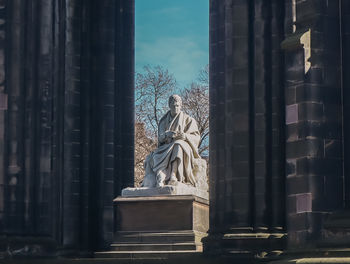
[(159, 224)]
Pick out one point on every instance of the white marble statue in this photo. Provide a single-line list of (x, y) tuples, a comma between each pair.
[(176, 160)]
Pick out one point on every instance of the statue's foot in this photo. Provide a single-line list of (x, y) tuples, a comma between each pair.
[(172, 180), (159, 184), (160, 179)]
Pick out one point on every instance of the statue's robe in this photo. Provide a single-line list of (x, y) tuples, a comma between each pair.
[(167, 152)]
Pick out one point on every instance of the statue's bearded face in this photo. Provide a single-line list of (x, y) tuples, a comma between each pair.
[(175, 107)]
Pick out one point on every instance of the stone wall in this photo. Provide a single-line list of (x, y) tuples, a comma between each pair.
[(314, 121)]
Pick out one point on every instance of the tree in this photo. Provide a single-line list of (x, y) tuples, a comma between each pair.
[(143, 146), (153, 88), (195, 102), (203, 76)]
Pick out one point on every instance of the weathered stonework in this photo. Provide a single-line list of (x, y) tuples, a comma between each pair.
[(314, 134)]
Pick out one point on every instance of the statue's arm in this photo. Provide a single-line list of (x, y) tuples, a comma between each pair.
[(161, 138), (166, 137), (161, 131), (192, 134)]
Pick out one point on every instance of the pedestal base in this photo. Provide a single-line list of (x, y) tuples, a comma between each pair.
[(179, 189), (174, 223)]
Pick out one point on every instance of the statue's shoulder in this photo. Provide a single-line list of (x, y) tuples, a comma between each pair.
[(163, 117), (188, 118), (190, 121)]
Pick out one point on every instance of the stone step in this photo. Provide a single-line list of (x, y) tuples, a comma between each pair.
[(156, 247), (159, 237), (145, 254)]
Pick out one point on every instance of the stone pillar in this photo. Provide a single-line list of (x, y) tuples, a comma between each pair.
[(13, 145), (66, 129), (3, 108), (102, 94), (313, 120), (246, 125), (111, 98), (28, 129), (345, 50), (70, 114), (125, 97)]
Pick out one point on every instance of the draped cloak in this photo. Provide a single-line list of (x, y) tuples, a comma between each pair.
[(165, 154)]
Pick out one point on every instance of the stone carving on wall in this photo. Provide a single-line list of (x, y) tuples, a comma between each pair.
[(175, 167)]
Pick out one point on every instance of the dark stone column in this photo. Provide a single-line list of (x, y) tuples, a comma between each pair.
[(71, 131), (246, 126), (262, 101), (112, 106), (3, 108), (276, 182), (313, 119), (345, 49), (66, 131), (26, 141), (28, 126), (125, 95), (14, 174), (44, 96)]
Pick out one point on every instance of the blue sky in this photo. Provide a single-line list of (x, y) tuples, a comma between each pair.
[(174, 34)]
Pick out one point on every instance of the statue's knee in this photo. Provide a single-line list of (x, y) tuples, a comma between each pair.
[(177, 148), (148, 161)]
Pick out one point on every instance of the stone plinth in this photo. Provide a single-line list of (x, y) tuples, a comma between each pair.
[(162, 213), (168, 223), (179, 189)]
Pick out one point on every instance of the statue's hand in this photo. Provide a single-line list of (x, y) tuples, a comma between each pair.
[(162, 138), (180, 136), (170, 134)]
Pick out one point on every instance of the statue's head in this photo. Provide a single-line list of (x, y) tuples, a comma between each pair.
[(175, 104)]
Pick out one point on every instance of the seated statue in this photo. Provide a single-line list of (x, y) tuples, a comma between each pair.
[(176, 160)]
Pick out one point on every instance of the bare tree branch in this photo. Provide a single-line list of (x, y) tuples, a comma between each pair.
[(195, 100), (153, 88)]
